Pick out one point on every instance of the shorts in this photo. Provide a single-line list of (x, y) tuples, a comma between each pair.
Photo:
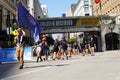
[(38, 49), (46, 52), (63, 50)]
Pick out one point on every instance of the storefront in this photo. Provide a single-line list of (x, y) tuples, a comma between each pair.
[(0, 17), (7, 15)]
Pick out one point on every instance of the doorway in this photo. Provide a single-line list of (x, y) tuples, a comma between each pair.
[(112, 41)]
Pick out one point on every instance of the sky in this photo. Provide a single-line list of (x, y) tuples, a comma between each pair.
[(57, 7)]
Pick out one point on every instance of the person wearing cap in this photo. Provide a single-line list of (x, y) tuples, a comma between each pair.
[(20, 43)]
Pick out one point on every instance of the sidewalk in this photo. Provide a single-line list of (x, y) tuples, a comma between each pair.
[(109, 53)]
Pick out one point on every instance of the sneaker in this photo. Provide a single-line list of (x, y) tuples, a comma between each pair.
[(92, 55), (67, 57), (62, 58), (44, 59), (53, 59)]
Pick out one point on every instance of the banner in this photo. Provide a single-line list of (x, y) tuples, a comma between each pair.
[(9, 54), (28, 53)]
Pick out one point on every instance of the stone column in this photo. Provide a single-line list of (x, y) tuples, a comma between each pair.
[(103, 43)]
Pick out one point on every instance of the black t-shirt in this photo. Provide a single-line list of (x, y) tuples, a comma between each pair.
[(82, 45)]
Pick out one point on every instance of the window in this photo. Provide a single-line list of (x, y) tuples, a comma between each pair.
[(119, 8), (28, 2), (86, 3), (12, 1), (86, 14), (86, 9)]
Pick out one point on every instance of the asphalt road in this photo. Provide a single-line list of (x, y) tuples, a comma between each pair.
[(102, 66)]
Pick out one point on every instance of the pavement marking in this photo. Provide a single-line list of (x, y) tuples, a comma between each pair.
[(70, 61)]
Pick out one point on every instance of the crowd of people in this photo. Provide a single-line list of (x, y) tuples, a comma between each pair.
[(62, 50)]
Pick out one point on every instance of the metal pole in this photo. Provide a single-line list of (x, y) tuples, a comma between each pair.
[(112, 37), (101, 37), (92, 6), (8, 25), (9, 37)]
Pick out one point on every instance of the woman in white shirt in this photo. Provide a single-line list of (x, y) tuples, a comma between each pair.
[(39, 51)]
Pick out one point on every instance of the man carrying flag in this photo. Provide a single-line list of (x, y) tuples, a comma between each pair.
[(25, 19)]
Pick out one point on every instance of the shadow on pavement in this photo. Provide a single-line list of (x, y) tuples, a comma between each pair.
[(6, 69), (38, 66), (62, 65)]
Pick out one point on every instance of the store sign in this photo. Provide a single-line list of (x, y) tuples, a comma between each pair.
[(56, 23), (88, 22)]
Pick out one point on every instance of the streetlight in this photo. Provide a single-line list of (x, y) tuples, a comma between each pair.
[(111, 27), (8, 28)]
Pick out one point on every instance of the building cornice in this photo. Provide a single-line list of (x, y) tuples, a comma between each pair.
[(9, 5)]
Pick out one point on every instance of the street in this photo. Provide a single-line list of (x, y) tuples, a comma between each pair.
[(102, 66)]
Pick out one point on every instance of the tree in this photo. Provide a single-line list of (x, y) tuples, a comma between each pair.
[(72, 40)]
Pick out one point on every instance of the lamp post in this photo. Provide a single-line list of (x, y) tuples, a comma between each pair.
[(8, 29), (111, 27)]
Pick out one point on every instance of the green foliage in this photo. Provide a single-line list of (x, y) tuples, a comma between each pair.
[(72, 40)]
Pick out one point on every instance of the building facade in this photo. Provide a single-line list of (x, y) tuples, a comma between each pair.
[(109, 29), (83, 8), (7, 13), (108, 7), (44, 10)]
